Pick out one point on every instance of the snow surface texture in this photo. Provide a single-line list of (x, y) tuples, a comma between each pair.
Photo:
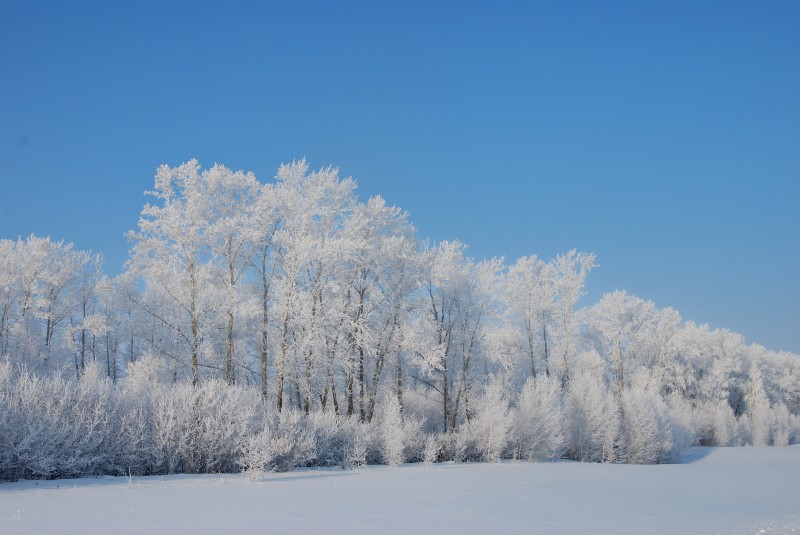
[(714, 490)]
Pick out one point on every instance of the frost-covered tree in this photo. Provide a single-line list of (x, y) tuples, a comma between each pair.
[(168, 252), (392, 432), (449, 331), (593, 415), (87, 324), (624, 325), (538, 425), (758, 409), (9, 291), (570, 272), (243, 296), (48, 290), (530, 291), (315, 204), (380, 267), (231, 212), (492, 422), (265, 222), (647, 436)]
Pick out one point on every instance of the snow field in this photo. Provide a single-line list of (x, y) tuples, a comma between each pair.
[(714, 490)]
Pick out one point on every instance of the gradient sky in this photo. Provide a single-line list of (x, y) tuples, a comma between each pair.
[(663, 136)]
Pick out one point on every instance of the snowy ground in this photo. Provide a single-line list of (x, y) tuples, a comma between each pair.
[(725, 490)]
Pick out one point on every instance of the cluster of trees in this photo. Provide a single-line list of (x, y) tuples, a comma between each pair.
[(307, 304)]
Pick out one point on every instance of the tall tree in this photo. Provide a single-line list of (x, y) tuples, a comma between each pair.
[(380, 266), (168, 248), (529, 289), (40, 296), (314, 205), (231, 213), (267, 218), (450, 329), (571, 270), (624, 324)]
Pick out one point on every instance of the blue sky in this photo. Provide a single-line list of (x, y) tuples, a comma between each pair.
[(663, 136)]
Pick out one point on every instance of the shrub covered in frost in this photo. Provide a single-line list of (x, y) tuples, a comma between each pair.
[(538, 421)]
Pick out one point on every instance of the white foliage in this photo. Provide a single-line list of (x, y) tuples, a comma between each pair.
[(592, 413), (758, 410), (684, 422), (718, 425), (782, 421), (146, 373), (492, 422), (392, 433), (647, 427), (280, 446), (357, 452), (433, 447), (330, 307), (538, 429)]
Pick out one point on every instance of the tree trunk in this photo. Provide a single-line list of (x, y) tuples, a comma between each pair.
[(193, 317), (3, 335), (108, 358), (282, 357), (285, 337), (546, 351), (349, 389), (400, 387), (620, 377), (315, 302), (265, 283), (376, 374), (229, 376), (229, 351), (445, 400), (531, 351)]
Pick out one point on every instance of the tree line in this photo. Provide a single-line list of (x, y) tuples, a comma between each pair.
[(325, 305)]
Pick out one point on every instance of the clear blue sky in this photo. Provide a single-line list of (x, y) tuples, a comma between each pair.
[(663, 136)]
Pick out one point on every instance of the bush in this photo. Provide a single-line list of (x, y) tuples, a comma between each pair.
[(538, 433), (647, 427), (592, 414), (491, 426), (717, 425), (284, 444)]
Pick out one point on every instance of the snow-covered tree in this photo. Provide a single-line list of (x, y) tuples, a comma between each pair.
[(315, 203), (538, 427), (392, 432), (646, 426), (593, 415), (47, 291), (242, 296), (168, 252), (570, 272), (758, 410), (530, 291), (622, 321), (379, 269), (449, 331), (231, 212), (492, 422)]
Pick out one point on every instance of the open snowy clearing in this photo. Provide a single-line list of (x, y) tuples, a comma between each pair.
[(715, 490)]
